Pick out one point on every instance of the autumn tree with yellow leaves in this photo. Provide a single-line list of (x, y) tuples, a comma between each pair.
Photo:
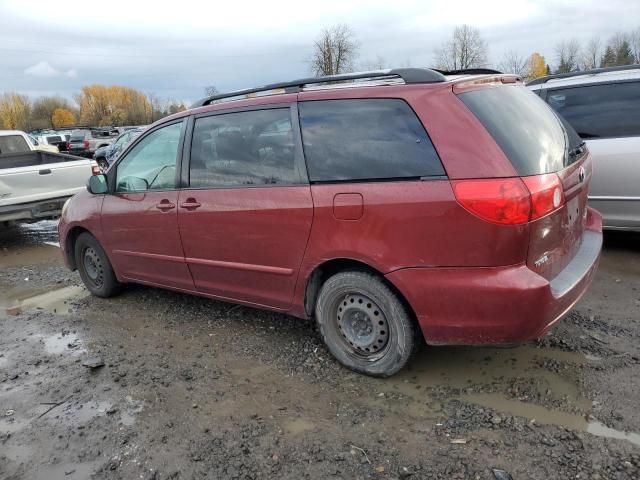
[(537, 66), (113, 105), (14, 111), (62, 117)]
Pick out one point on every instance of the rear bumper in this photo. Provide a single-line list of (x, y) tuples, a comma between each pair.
[(33, 210), (497, 305)]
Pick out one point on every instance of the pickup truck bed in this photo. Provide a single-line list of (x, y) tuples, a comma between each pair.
[(35, 185)]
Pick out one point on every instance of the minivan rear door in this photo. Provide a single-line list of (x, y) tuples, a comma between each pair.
[(538, 143)]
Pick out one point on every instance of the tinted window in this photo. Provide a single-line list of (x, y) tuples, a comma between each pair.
[(244, 148), (527, 130), (365, 139), (13, 144), (600, 110), (77, 136), (151, 164)]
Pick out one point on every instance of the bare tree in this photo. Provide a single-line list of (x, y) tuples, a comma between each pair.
[(335, 51), (567, 55), (591, 53), (634, 41), (211, 90), (512, 62), (466, 49), (378, 63)]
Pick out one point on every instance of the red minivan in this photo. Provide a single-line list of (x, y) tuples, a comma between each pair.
[(390, 206)]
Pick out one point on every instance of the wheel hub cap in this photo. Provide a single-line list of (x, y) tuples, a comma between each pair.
[(362, 324), (92, 265)]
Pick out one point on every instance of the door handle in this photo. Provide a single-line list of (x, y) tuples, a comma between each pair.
[(190, 203), (45, 171), (165, 205)]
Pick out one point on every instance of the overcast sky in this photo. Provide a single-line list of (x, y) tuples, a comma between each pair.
[(175, 49)]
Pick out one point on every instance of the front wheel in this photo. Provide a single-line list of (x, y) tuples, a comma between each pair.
[(94, 267), (103, 164), (364, 324)]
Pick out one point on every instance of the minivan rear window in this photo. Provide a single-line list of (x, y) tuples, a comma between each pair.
[(365, 139), (530, 134), (75, 136)]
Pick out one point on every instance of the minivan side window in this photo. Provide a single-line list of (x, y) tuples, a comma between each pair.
[(243, 148), (151, 164), (365, 139), (600, 111)]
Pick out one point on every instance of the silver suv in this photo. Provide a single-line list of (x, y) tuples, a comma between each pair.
[(603, 106)]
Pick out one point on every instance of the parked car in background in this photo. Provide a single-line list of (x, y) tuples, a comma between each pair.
[(105, 156), (85, 142), (603, 106), (57, 140), (34, 184), (388, 205)]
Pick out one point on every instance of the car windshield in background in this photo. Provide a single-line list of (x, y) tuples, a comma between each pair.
[(600, 111), (529, 133), (13, 144)]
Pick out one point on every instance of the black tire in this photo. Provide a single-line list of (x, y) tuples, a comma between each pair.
[(364, 324), (94, 267)]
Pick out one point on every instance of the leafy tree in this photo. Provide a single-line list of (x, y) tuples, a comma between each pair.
[(624, 55), (43, 108), (536, 67), (465, 49), (113, 105), (335, 51), (14, 111), (609, 58), (62, 117)]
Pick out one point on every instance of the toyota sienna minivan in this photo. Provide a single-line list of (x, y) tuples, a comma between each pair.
[(390, 206)]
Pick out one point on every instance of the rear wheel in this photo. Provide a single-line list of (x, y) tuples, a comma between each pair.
[(94, 267), (102, 163), (364, 324)]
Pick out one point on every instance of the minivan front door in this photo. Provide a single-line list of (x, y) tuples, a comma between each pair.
[(246, 217), (140, 220)]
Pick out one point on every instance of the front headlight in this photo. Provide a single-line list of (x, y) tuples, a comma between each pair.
[(64, 207)]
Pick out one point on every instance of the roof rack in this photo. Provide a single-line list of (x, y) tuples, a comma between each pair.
[(469, 71), (593, 71), (409, 75)]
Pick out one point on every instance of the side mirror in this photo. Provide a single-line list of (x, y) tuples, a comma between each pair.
[(97, 184)]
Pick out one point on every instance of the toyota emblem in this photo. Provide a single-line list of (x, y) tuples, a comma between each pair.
[(581, 174)]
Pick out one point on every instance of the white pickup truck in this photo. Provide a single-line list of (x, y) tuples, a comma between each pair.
[(34, 184)]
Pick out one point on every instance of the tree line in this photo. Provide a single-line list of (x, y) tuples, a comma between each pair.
[(337, 50), (95, 105)]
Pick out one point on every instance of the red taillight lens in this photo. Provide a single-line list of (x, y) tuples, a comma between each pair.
[(505, 201), (95, 169), (547, 194), (86, 144), (68, 145)]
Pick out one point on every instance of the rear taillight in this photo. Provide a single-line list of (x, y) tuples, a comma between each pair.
[(68, 145), (503, 200), (510, 201), (95, 169), (547, 194), (85, 143)]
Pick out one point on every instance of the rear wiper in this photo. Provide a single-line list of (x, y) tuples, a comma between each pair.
[(577, 150)]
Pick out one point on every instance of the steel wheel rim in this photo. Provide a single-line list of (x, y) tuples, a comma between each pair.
[(93, 266), (362, 326)]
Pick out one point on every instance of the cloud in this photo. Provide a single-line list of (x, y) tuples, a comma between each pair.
[(45, 70), (42, 69)]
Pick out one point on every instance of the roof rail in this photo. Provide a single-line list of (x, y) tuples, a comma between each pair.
[(469, 71), (409, 75), (593, 71)]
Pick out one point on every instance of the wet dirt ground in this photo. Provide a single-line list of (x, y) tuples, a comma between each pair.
[(193, 388)]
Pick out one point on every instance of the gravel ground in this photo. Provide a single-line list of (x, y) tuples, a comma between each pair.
[(192, 388)]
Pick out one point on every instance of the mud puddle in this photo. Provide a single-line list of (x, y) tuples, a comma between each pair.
[(14, 301)]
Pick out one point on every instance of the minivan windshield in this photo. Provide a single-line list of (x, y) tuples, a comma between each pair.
[(530, 134)]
